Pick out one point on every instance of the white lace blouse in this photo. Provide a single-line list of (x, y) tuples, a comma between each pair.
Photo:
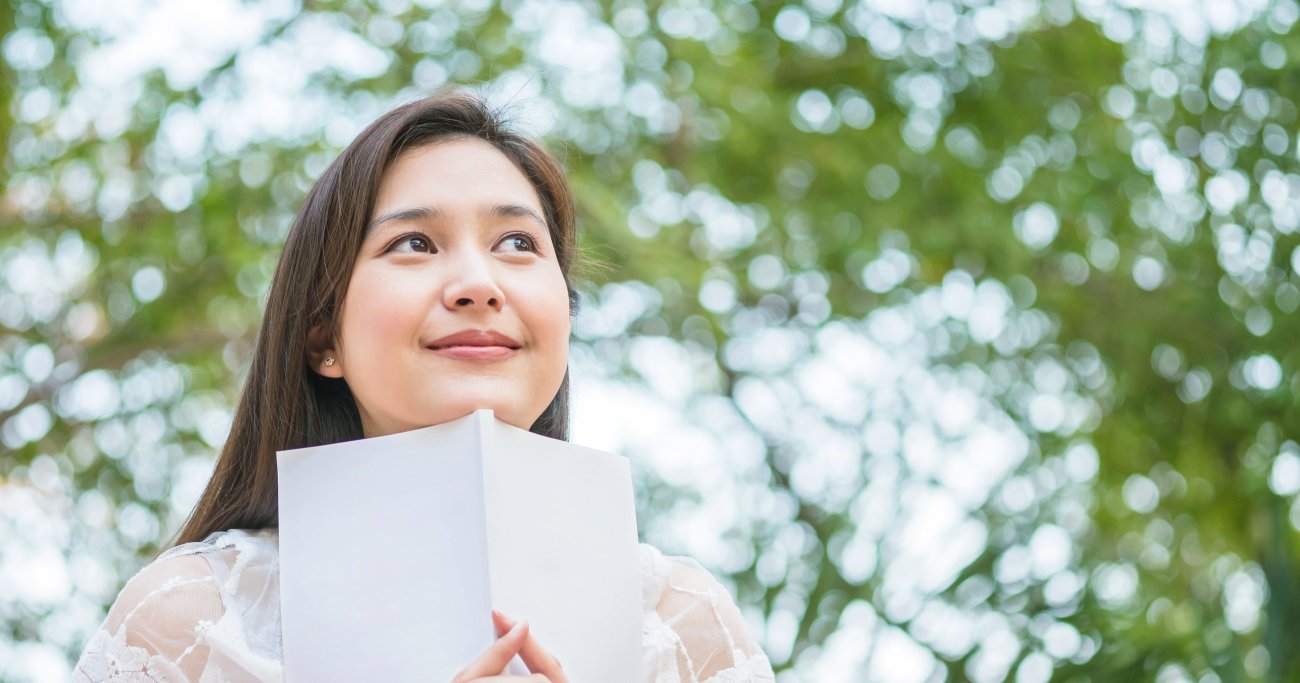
[(210, 611)]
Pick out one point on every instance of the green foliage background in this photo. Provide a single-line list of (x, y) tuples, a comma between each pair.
[(1034, 266)]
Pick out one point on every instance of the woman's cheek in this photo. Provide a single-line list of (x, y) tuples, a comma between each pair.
[(547, 291), (383, 316)]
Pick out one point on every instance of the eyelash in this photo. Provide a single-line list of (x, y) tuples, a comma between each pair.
[(528, 236), (404, 239)]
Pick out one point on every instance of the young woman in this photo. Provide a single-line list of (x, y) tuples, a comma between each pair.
[(426, 276)]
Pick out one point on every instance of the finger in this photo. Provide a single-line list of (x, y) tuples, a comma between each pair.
[(501, 623), (494, 659), (537, 658)]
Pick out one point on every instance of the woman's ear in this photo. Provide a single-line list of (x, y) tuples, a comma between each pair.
[(321, 354)]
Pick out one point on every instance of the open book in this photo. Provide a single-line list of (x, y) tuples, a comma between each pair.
[(394, 550)]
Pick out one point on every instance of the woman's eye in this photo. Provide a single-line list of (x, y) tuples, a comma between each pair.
[(412, 243), (519, 242)]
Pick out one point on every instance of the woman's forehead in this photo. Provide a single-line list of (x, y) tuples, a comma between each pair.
[(455, 171)]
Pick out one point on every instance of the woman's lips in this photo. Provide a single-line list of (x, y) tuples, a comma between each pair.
[(479, 353), (479, 345)]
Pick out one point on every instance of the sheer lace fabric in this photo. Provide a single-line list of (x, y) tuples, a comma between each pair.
[(210, 611)]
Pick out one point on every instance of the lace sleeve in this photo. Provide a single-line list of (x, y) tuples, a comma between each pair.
[(155, 629), (695, 633)]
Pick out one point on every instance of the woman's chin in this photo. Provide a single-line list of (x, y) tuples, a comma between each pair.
[(510, 414)]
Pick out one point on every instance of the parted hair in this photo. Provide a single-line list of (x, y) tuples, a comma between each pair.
[(284, 403)]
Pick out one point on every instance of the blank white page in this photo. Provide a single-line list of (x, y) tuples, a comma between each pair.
[(562, 544), (383, 557)]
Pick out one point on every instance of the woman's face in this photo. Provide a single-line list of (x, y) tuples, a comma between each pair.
[(456, 301)]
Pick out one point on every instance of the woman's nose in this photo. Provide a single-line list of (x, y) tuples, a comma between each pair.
[(472, 284)]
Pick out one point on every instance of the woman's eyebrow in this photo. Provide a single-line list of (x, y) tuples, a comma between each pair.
[(427, 213), (422, 213), (505, 210)]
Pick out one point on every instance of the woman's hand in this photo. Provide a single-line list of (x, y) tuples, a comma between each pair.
[(513, 638)]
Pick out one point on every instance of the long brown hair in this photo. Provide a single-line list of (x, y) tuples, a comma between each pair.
[(285, 404)]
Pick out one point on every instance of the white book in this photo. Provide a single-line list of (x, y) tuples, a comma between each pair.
[(394, 550)]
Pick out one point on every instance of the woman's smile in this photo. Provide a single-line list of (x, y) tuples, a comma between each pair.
[(479, 353), (475, 345)]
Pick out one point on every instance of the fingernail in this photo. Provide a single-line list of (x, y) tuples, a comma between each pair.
[(519, 626)]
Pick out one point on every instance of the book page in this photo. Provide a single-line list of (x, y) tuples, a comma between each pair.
[(383, 555), (563, 549)]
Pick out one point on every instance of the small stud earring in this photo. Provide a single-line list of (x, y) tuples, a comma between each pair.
[(329, 361)]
